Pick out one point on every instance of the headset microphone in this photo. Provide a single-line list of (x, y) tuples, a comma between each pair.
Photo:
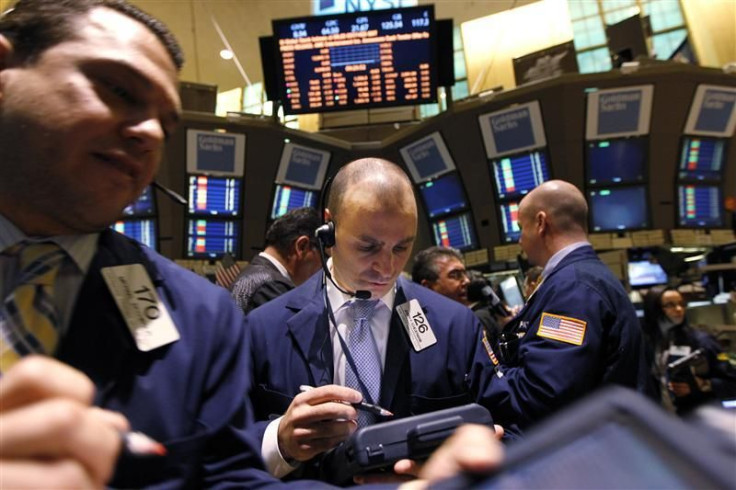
[(325, 235)]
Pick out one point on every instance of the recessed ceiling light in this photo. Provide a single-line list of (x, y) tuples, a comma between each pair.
[(226, 54)]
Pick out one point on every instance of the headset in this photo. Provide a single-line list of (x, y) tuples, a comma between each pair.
[(325, 236)]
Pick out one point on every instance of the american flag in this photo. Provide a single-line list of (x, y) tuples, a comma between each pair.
[(225, 275), (562, 328)]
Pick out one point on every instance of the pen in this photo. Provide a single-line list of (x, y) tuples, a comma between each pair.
[(138, 445), (361, 405)]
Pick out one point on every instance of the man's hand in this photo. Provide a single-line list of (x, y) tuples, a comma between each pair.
[(50, 437), (472, 448), (317, 420)]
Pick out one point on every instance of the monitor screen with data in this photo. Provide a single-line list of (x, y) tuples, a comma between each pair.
[(358, 60), (699, 206), (141, 230), (510, 230), (618, 161), (287, 197), (516, 175), (618, 208), (211, 238), (455, 231), (702, 159), (214, 195), (444, 195)]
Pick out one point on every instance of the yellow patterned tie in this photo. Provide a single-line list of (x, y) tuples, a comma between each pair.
[(28, 318)]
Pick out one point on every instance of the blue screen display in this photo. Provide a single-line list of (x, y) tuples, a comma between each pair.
[(701, 159), (288, 198), (142, 230), (699, 206), (443, 195), (643, 273), (143, 206), (519, 174), (510, 230), (618, 208), (455, 231), (214, 195), (207, 238), (620, 161)]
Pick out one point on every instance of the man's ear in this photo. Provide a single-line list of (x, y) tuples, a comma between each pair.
[(302, 245), (541, 223), (328, 216), (427, 283)]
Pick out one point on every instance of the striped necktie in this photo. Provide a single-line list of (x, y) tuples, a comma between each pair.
[(29, 320), (364, 351)]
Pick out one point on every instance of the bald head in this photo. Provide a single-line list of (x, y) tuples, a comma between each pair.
[(374, 180), (563, 203)]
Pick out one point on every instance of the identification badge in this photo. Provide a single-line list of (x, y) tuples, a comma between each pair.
[(680, 350), (416, 325), (144, 312)]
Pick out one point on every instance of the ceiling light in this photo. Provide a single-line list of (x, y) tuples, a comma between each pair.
[(226, 54)]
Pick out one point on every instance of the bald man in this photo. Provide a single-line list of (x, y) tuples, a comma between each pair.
[(578, 330), (298, 338)]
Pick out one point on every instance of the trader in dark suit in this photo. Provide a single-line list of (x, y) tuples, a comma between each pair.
[(298, 338), (88, 93), (578, 330), (289, 259)]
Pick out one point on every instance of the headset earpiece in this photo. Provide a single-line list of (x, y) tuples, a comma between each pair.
[(326, 234)]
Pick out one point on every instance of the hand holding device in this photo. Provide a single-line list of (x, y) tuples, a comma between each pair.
[(317, 420)]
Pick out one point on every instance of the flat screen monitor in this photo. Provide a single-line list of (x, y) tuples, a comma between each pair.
[(699, 206), (375, 58), (512, 293), (455, 231), (620, 161), (302, 166), (217, 196), (627, 40), (287, 198), (444, 195), (510, 230), (702, 158), (645, 273), (618, 208), (143, 206), (141, 230), (518, 174), (513, 130), (215, 153), (427, 158), (209, 238)]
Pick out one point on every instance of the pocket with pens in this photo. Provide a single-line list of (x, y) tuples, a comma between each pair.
[(377, 447)]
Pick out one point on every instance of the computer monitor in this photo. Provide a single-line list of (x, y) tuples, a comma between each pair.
[(618, 208), (511, 290), (143, 206), (701, 158), (287, 198), (510, 231), (217, 196), (210, 238), (516, 175), (141, 230), (427, 158), (455, 231), (699, 206), (619, 161), (443, 195), (215, 153), (645, 273)]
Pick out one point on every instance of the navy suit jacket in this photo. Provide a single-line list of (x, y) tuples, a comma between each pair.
[(259, 283), (549, 374), (291, 346), (189, 395)]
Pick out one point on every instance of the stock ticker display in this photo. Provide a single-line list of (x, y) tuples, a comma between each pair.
[(359, 60)]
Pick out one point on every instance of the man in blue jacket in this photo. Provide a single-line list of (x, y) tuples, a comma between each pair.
[(304, 338), (578, 330)]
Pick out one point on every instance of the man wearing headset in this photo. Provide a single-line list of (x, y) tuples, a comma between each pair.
[(426, 347)]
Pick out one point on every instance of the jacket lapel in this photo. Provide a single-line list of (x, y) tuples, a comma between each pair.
[(397, 355), (309, 327)]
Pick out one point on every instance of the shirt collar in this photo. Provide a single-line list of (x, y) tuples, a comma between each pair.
[(340, 300), (276, 264), (561, 254), (81, 248)]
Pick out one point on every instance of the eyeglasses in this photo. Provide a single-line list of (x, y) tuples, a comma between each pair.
[(670, 306)]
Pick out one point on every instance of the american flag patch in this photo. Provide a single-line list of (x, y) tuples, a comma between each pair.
[(562, 328)]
